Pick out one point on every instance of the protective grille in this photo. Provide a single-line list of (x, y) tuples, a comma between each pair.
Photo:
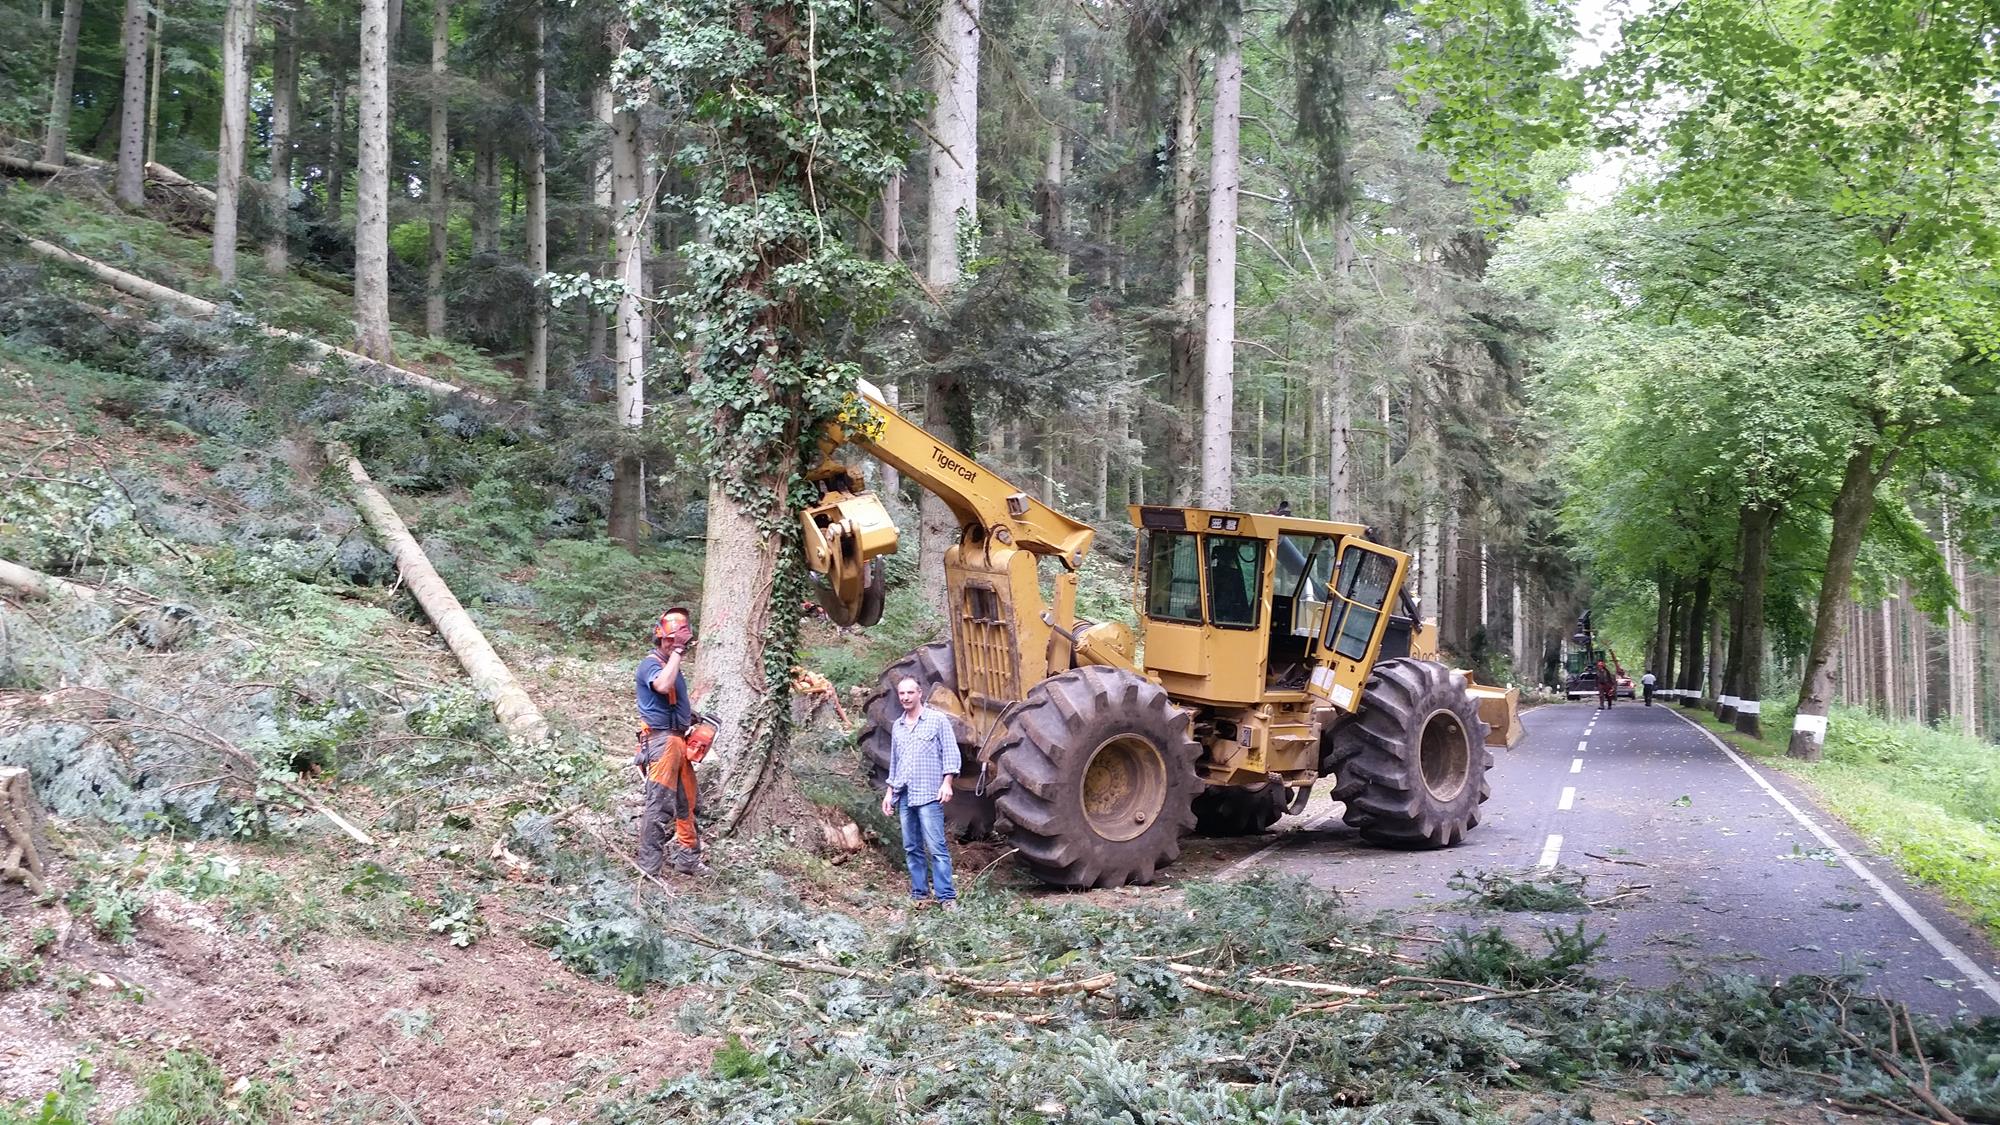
[(985, 646)]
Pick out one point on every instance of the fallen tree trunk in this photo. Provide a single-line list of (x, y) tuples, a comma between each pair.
[(194, 306), (167, 177), (23, 833), (35, 584), (30, 167), (518, 713)]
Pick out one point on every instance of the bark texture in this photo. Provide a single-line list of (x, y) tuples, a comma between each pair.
[(237, 24), (371, 188), (131, 181), (1218, 381), (55, 142)]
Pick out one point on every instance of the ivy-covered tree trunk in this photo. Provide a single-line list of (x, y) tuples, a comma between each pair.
[(55, 143), (130, 188), (815, 132), (237, 24)]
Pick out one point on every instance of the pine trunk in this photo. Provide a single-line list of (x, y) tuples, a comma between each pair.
[(537, 373), (1852, 507), (485, 184), (599, 330), (131, 180), (1218, 378), (953, 210), (438, 191), (284, 106), (336, 167), (153, 87), (629, 333), (1054, 219), (371, 189), (1340, 427), (55, 143), (237, 24), (892, 220), (1184, 341)]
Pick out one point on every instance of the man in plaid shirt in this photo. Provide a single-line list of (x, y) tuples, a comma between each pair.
[(923, 758)]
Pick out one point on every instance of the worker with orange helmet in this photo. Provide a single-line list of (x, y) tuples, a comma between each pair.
[(672, 738)]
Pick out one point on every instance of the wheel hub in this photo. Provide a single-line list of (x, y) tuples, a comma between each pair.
[(1445, 755), (1124, 787)]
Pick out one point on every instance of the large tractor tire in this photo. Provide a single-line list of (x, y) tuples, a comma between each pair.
[(1412, 765), (1101, 767), (1239, 811), (968, 816)]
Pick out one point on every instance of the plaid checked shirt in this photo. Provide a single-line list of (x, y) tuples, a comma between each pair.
[(921, 755)]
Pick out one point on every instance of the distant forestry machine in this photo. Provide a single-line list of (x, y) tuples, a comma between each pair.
[(1272, 658)]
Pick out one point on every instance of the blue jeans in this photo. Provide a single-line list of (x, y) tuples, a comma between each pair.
[(926, 850)]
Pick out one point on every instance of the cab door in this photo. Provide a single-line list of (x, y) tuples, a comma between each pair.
[(1366, 576)]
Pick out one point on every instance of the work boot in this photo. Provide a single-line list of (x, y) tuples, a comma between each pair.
[(687, 861)]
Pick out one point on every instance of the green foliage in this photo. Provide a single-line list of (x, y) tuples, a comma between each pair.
[(68, 1104), (1489, 956), (189, 1089), (597, 588), (1558, 892), (111, 908), (457, 917), (733, 1061), (18, 969)]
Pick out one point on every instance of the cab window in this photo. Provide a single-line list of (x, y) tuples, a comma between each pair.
[(1363, 586), (1235, 581), (1299, 590), (1173, 577)]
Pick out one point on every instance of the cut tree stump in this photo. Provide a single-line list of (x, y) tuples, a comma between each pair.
[(23, 830)]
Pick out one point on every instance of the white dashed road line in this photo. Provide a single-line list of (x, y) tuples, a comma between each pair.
[(1551, 851), (1582, 746), (1568, 798), (1576, 765), (1980, 979)]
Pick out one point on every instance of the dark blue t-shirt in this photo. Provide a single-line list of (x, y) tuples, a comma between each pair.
[(654, 708)]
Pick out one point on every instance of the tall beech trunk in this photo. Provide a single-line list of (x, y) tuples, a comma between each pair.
[(130, 187), (1754, 569), (1852, 507), (954, 178), (1218, 369), (371, 189), (1184, 340), (1693, 668), (55, 142), (629, 330), (238, 22), (537, 372), (284, 106), (437, 192)]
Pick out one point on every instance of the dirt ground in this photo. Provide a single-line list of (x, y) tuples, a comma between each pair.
[(360, 1029)]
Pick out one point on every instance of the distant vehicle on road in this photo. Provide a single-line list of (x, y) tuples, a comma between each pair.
[(1580, 673)]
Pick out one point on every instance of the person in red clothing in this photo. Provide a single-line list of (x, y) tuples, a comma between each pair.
[(1607, 686)]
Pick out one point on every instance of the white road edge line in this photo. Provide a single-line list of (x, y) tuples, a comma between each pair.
[(1576, 765), (1568, 798), (1980, 978), (1282, 837), (1550, 851)]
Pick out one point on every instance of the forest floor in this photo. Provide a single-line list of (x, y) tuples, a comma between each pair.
[(211, 948)]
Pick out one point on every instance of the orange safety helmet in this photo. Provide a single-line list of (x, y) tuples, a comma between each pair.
[(700, 737), (662, 628)]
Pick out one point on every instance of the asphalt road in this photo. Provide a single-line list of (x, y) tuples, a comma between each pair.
[(1701, 860)]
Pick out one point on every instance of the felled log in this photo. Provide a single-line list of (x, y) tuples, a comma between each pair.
[(194, 306), (35, 584), (490, 676), (167, 177), (22, 167), (23, 830)]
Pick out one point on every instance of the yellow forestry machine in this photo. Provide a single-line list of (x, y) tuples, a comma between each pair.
[(1272, 657)]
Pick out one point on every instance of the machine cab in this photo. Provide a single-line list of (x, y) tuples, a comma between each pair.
[(1239, 608)]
